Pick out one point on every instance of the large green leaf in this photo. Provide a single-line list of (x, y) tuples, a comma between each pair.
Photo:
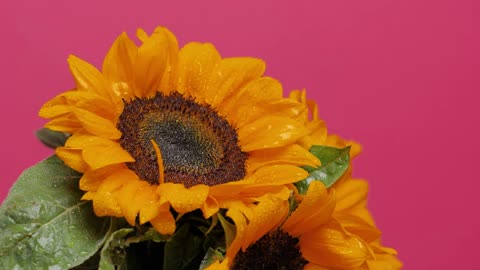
[(43, 222), (335, 162)]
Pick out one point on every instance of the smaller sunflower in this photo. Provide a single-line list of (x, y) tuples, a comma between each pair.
[(312, 237)]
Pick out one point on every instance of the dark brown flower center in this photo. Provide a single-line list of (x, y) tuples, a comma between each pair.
[(197, 145), (277, 250)]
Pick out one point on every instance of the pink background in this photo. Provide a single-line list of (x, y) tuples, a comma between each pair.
[(402, 77)]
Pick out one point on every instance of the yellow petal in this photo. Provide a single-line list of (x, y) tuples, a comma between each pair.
[(240, 224), (270, 132), (118, 65), (164, 222), (329, 246), (279, 174), (311, 266), (129, 200), (68, 123), (102, 156), (259, 90), (281, 108), (337, 141), (97, 125), (384, 262), (184, 200), (210, 207), (267, 215), (151, 63), (230, 75), (195, 65), (315, 210), (169, 79), (91, 179), (105, 204), (100, 107), (291, 155), (351, 193), (88, 77), (72, 158)]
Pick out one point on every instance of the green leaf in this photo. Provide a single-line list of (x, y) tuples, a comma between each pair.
[(182, 250), (113, 252), (211, 256), (229, 228), (43, 222), (52, 139), (335, 162)]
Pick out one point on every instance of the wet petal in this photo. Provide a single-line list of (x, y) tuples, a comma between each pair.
[(91, 179), (72, 158), (118, 65), (279, 174), (230, 75), (270, 132), (164, 222), (97, 125), (292, 155), (88, 77), (184, 200), (315, 210), (330, 246), (267, 215), (195, 65)]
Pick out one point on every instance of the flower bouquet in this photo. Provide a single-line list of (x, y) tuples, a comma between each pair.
[(176, 158)]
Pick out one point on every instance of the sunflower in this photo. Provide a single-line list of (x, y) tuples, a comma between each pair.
[(319, 234), (164, 128)]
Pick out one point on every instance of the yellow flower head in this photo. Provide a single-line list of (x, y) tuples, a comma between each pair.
[(328, 230), (162, 128)]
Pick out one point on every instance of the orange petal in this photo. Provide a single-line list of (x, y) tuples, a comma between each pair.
[(270, 132), (118, 65), (279, 174), (282, 108), (241, 225), (230, 75), (101, 156), (315, 210), (184, 200), (68, 123), (169, 79), (195, 65), (100, 107), (164, 222), (258, 90), (97, 125), (311, 266), (151, 63), (210, 207), (291, 154), (91, 179), (267, 215), (88, 77), (330, 246), (72, 158), (351, 194)]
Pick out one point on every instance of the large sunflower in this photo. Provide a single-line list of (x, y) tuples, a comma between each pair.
[(322, 233), (164, 128)]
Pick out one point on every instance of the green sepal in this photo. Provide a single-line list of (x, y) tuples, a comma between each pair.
[(335, 162), (229, 229), (43, 222), (50, 138)]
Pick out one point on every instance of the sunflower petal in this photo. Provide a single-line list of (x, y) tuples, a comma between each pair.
[(258, 90), (72, 158), (68, 123), (210, 207), (88, 77), (118, 65), (151, 63), (92, 179), (315, 210), (102, 156), (270, 132), (279, 174), (184, 200), (230, 75), (164, 222), (330, 246), (292, 155), (267, 215), (96, 124), (195, 65)]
